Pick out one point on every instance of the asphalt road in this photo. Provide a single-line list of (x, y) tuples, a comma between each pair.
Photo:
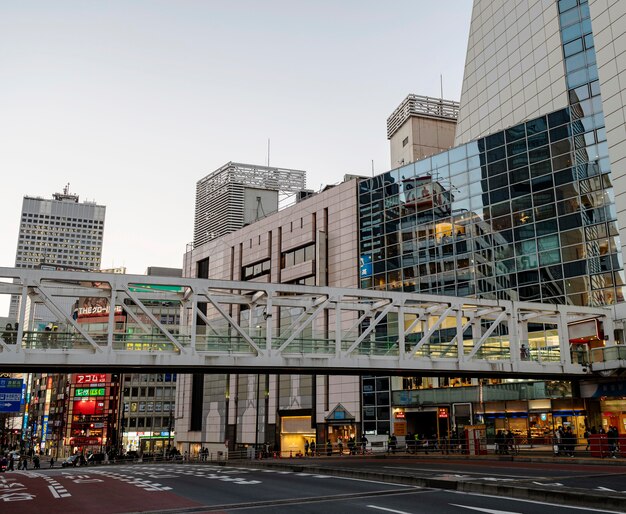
[(592, 476), (198, 488)]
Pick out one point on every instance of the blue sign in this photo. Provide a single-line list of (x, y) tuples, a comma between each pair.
[(10, 394), (366, 265)]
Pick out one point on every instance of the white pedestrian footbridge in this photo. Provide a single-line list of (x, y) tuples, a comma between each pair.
[(65, 322)]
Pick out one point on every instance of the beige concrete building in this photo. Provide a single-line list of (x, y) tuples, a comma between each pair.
[(313, 242), (420, 127)]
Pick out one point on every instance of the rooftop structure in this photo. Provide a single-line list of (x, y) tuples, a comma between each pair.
[(237, 194)]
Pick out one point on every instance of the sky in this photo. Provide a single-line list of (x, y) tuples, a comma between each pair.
[(132, 102)]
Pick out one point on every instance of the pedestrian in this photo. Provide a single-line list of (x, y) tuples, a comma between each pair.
[(51, 462), (558, 441), (340, 446), (569, 442), (329, 448), (364, 442), (500, 442), (392, 443), (306, 448), (524, 352), (312, 448), (408, 438), (510, 442), (11, 463), (53, 336), (612, 437), (587, 436), (7, 335), (36, 462), (46, 336)]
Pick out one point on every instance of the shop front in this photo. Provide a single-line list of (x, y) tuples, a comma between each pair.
[(535, 421), (146, 443), (609, 400), (540, 422), (570, 413), (340, 428), (614, 414), (294, 431)]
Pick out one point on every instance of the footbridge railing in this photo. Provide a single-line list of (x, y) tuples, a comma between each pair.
[(66, 321)]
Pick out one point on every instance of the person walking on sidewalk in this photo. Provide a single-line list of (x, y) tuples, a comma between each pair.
[(612, 437), (392, 443)]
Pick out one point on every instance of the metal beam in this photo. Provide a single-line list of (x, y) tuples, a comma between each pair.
[(326, 309)]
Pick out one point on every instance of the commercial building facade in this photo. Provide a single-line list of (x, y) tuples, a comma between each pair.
[(313, 242), (527, 206)]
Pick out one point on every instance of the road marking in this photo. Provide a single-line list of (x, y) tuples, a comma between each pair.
[(488, 511), (607, 490), (387, 510), (558, 484), (57, 490), (535, 502), (460, 473)]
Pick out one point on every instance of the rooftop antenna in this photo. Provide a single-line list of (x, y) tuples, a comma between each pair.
[(441, 83), (268, 152), (66, 189), (372, 167)]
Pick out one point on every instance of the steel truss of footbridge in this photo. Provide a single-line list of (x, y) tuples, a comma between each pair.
[(203, 325)]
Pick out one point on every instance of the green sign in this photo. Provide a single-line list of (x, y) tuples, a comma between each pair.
[(94, 391)]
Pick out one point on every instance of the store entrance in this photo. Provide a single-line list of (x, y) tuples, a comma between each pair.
[(423, 423)]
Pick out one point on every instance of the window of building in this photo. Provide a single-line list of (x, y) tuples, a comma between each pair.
[(297, 256), (256, 270)]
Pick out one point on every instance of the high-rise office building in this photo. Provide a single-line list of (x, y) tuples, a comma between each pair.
[(237, 194), (526, 207), (61, 231)]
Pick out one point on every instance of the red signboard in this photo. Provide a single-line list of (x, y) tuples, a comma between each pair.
[(91, 378), (88, 406), (85, 440), (443, 413)]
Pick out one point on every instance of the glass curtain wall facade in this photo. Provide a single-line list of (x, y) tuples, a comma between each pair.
[(523, 214)]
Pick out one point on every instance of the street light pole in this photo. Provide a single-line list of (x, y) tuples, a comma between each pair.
[(169, 433)]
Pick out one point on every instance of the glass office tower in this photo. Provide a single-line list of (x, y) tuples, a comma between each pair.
[(526, 213)]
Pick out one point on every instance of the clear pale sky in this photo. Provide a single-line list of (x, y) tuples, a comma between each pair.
[(132, 102)]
